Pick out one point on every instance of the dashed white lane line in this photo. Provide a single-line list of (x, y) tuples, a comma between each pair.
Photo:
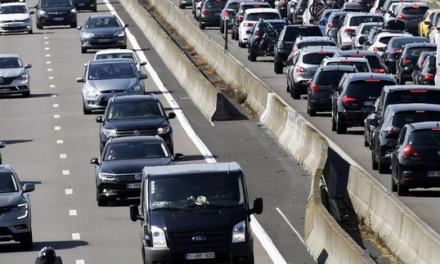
[(56, 116), (60, 141), (80, 261), (54, 95), (52, 86), (50, 77), (49, 70), (46, 43), (76, 236), (73, 213), (46, 48), (66, 172), (46, 37), (48, 62), (57, 128), (291, 226), (63, 156), (68, 191), (56, 105), (47, 55)]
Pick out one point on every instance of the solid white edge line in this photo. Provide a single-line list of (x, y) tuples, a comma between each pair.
[(265, 240), (291, 226)]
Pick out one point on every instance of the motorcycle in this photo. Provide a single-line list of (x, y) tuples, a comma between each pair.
[(264, 46)]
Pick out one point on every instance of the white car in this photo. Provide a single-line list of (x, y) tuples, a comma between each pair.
[(351, 23), (433, 35), (362, 31), (361, 64), (120, 54), (15, 17), (381, 40), (250, 17)]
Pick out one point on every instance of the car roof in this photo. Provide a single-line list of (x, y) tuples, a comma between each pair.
[(191, 169), (347, 58), (407, 4), (423, 125), (254, 3), (6, 168), (102, 16), (409, 37), (392, 88), (261, 10), (340, 13), (13, 4), (336, 68), (370, 24), (345, 53), (413, 107), (9, 56), (108, 61), (273, 21), (135, 98), (370, 75), (312, 49), (391, 34), (111, 51), (137, 139), (361, 14), (313, 39)]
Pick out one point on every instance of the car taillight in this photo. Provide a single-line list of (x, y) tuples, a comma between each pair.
[(346, 99), (256, 6), (283, 3), (371, 80), (281, 45), (418, 91), (408, 152), (401, 16), (349, 30), (226, 13), (396, 51), (300, 70), (406, 61), (347, 61), (428, 77), (375, 49), (257, 34), (416, 7), (204, 12), (315, 88), (247, 24), (331, 25), (392, 129), (378, 70)]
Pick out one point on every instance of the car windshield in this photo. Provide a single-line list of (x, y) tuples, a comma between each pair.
[(360, 66), (413, 96), (323, 43), (371, 87), (330, 77), (265, 16), (425, 138), (8, 183), (104, 71), (134, 110), (115, 56), (292, 33), (316, 58), (356, 21), (136, 150), (420, 10), (407, 117), (14, 9), (102, 22), (56, 3), (196, 192), (10, 63)]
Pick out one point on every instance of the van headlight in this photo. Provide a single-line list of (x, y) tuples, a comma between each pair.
[(91, 92), (21, 210), (158, 236), (239, 232), (163, 130), (110, 133), (106, 176)]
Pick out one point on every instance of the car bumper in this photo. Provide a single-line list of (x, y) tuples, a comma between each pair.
[(352, 118), (12, 228), (416, 175), (321, 104), (15, 27), (57, 20), (405, 74), (113, 190), (15, 87), (104, 43), (210, 20)]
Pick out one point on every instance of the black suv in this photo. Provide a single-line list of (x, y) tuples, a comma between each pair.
[(414, 161), (376, 64), (119, 174), (354, 98), (395, 47), (406, 64), (394, 118), (196, 213), (320, 92), (55, 13), (135, 115), (287, 37)]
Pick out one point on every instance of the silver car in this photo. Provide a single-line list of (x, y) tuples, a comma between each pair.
[(14, 76), (104, 79)]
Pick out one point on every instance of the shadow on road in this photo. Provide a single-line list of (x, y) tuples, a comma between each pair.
[(38, 245)]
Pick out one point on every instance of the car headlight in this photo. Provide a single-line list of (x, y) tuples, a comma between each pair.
[(119, 33), (163, 130), (27, 20), (21, 209), (23, 78), (42, 12), (158, 236), (135, 88), (110, 133), (239, 233), (91, 92), (88, 35), (106, 176), (73, 11)]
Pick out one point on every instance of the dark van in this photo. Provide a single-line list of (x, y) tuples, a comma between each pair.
[(195, 213)]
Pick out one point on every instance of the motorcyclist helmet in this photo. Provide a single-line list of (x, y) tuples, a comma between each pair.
[(47, 255)]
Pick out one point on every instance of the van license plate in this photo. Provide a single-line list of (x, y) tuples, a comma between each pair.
[(433, 173), (206, 255), (133, 185), (58, 19)]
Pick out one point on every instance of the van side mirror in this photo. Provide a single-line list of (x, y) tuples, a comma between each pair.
[(171, 115), (94, 161), (80, 80), (99, 119), (134, 213), (28, 187), (2, 144), (258, 206)]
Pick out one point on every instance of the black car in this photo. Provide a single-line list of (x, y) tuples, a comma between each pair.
[(135, 115), (406, 63), (369, 125), (285, 41), (428, 71), (419, 64), (415, 161), (86, 5), (119, 174), (2, 145), (411, 14), (354, 98), (376, 64), (320, 92), (264, 34), (238, 17), (388, 128), (184, 3), (103, 32), (395, 47), (55, 13), (210, 13)]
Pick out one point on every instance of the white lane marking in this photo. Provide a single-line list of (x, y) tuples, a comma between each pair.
[(48, 55), (76, 236), (52, 86), (46, 48), (46, 43), (49, 70), (173, 104), (48, 62), (46, 37), (54, 95), (56, 105), (73, 213), (63, 156), (56, 116), (60, 141), (68, 191), (50, 77), (80, 261), (266, 242), (291, 226), (57, 128), (66, 172)]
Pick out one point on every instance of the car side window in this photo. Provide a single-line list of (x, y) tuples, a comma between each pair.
[(402, 136)]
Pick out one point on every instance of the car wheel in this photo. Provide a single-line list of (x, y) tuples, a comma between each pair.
[(30, 31), (402, 190), (95, 9), (374, 164), (236, 36), (287, 87), (83, 50), (181, 6), (341, 128), (333, 124), (101, 202), (278, 67), (26, 242), (310, 111), (26, 94), (382, 167), (366, 144), (39, 26), (241, 45), (222, 28), (201, 26), (294, 92), (393, 183), (74, 25), (85, 110), (252, 56)]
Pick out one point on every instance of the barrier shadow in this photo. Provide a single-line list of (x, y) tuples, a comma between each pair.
[(16, 141), (38, 245), (434, 193), (194, 158)]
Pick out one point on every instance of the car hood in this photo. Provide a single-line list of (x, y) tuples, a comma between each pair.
[(136, 124), (12, 72), (58, 9), (14, 17), (112, 84), (104, 31), (132, 166), (10, 199)]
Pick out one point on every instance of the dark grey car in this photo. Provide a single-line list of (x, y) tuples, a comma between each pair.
[(210, 13), (103, 32), (14, 76)]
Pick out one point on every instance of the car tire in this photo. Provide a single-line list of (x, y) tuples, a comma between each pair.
[(252, 56), (102, 203), (341, 128), (26, 242), (381, 167), (241, 45), (30, 31), (201, 26), (310, 111), (236, 36), (393, 183), (402, 190), (86, 111), (333, 124), (278, 67), (83, 50), (287, 87), (222, 28), (39, 26), (374, 164), (74, 25), (366, 144), (294, 92), (95, 8), (26, 94)]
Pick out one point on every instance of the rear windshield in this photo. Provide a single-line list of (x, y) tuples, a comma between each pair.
[(414, 53), (413, 96), (402, 118), (373, 60), (415, 11), (356, 21), (215, 5), (400, 43), (292, 33), (308, 44), (367, 87), (425, 138), (315, 58), (385, 40), (265, 16), (330, 77), (360, 66)]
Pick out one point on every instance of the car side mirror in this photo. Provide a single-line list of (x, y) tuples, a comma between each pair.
[(27, 65), (171, 115), (94, 161), (126, 26), (361, 40), (178, 156), (258, 206), (373, 122), (99, 119), (143, 63), (248, 32), (134, 213), (322, 23), (79, 28), (80, 80), (32, 12), (143, 76), (2, 144), (28, 187), (36, 6)]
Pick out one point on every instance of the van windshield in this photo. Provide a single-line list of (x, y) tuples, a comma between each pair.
[(196, 192)]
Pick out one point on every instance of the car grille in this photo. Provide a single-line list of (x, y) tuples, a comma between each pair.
[(57, 13), (7, 80), (4, 210), (185, 239), (112, 91), (129, 133), (4, 231), (125, 177), (14, 21)]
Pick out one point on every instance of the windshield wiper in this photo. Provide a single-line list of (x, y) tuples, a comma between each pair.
[(169, 209)]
